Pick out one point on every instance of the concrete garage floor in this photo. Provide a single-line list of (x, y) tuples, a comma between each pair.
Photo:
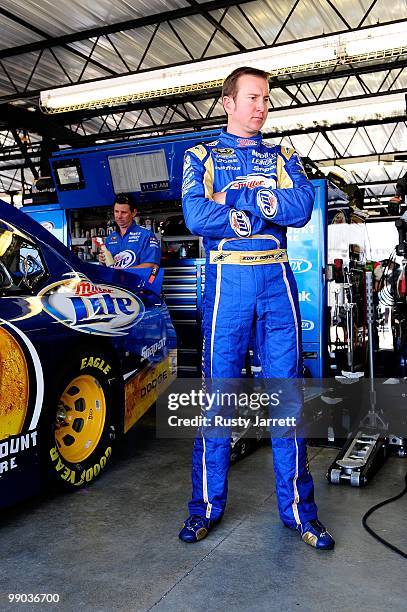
[(114, 546)]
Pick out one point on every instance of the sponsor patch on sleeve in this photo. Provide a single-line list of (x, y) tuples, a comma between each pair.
[(199, 151), (240, 223), (267, 202)]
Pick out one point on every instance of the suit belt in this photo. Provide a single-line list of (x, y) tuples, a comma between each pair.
[(248, 258)]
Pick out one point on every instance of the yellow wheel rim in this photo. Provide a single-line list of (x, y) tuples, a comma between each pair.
[(80, 418)]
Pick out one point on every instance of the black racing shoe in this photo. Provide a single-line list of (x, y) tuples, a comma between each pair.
[(315, 534), (196, 528)]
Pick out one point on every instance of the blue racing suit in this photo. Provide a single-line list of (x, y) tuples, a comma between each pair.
[(266, 191), (137, 246)]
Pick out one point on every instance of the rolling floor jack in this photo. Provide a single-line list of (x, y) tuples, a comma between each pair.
[(365, 452)]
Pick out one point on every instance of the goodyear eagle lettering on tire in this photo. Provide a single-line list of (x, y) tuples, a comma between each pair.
[(83, 427), (74, 477)]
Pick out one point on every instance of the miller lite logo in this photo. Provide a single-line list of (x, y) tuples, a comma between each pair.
[(92, 309), (49, 225), (240, 223), (124, 259), (267, 203), (307, 325)]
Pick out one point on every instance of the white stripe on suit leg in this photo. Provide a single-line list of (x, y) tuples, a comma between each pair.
[(213, 329), (205, 480), (295, 489), (215, 310), (296, 496), (290, 297)]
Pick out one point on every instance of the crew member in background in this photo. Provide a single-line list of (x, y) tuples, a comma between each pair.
[(131, 246), (401, 190), (240, 194)]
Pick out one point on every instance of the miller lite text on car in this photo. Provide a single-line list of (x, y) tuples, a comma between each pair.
[(101, 310)]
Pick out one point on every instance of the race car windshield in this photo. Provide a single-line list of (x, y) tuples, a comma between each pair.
[(21, 264)]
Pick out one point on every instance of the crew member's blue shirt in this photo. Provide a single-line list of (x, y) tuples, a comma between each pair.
[(137, 246)]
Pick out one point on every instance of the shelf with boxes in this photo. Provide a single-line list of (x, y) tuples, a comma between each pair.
[(89, 226), (86, 224)]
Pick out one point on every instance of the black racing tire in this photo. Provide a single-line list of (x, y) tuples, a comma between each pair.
[(82, 425)]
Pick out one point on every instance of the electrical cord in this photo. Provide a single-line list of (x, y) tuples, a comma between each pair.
[(376, 507), (385, 288)]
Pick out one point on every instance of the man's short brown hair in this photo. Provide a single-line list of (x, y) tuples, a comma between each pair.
[(230, 83), (123, 198)]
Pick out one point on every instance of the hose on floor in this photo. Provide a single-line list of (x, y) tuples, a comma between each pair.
[(376, 507)]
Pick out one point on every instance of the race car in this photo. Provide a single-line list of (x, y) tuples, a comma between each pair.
[(84, 352)]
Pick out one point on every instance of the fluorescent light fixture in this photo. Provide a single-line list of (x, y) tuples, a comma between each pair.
[(311, 55), (382, 159), (389, 36), (332, 113), (350, 166), (354, 172)]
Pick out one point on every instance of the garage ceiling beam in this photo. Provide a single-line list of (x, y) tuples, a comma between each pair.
[(47, 37), (13, 117), (286, 20), (122, 26), (20, 166), (333, 101), (22, 22), (9, 178), (341, 71), (338, 72), (139, 123), (337, 11), (367, 13), (166, 16), (219, 27), (329, 141), (6, 156), (215, 122)]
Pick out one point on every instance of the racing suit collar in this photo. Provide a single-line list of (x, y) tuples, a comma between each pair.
[(239, 142), (131, 227)]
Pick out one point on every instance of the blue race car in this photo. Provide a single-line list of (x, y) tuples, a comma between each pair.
[(84, 352)]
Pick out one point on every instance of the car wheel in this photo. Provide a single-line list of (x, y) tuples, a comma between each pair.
[(82, 431)]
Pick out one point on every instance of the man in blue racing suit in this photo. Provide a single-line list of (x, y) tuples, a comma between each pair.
[(132, 246), (240, 194)]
